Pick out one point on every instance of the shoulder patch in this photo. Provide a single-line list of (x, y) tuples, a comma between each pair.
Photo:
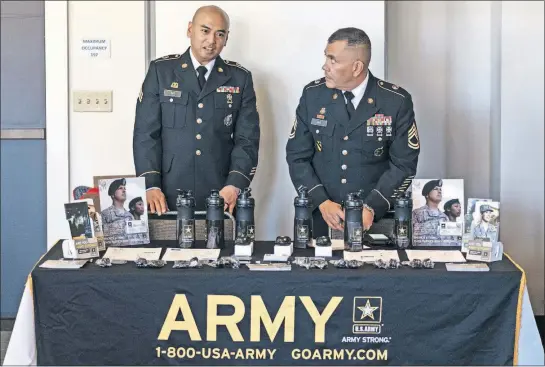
[(236, 65), (392, 88), (315, 83), (169, 57)]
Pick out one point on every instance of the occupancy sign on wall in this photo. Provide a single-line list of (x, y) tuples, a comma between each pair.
[(95, 47)]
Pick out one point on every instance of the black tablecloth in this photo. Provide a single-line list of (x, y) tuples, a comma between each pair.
[(117, 315)]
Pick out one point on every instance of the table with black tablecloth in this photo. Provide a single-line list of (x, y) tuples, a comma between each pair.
[(115, 315)]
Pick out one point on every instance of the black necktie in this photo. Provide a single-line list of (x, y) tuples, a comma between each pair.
[(202, 72), (349, 106)]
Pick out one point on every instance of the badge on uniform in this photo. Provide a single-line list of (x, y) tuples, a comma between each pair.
[(227, 89), (379, 130), (380, 120), (318, 122), (172, 93), (388, 131), (370, 131), (174, 85), (319, 146), (230, 99), (379, 151), (228, 120)]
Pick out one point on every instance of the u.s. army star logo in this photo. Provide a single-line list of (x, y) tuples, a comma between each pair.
[(413, 141), (293, 128), (367, 310), (367, 315)]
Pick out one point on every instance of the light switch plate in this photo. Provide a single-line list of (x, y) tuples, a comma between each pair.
[(92, 101)]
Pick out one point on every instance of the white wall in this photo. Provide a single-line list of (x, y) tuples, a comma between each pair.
[(56, 70), (477, 102), (522, 140), (282, 44), (101, 143)]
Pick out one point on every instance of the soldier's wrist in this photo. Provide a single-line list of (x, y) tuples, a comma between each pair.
[(368, 208)]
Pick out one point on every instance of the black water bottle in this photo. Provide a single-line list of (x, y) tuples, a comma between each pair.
[(185, 204), (245, 215), (403, 221), (302, 222), (214, 221), (353, 222)]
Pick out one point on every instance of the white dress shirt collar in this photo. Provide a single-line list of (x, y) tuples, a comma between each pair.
[(196, 64), (359, 91)]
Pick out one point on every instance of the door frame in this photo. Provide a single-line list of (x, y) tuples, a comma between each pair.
[(57, 117)]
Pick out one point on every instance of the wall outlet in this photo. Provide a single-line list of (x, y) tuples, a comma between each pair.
[(92, 101)]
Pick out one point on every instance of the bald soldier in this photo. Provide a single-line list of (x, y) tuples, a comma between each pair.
[(352, 131), (196, 125)]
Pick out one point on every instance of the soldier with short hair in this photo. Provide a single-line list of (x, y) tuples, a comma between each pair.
[(352, 132)]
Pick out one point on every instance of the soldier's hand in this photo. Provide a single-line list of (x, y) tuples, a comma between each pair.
[(157, 202), (367, 218), (332, 214), (229, 195)]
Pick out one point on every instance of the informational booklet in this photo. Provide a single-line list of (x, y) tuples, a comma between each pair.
[(77, 215), (438, 212), (124, 211), (486, 223), (438, 256), (269, 267), (186, 254), (63, 264), (131, 253), (473, 215), (371, 255), (467, 267)]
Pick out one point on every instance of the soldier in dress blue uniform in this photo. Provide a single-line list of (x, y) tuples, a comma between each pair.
[(352, 131), (485, 229), (197, 125)]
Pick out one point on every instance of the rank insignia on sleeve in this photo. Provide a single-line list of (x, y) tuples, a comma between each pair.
[(293, 128), (413, 140)]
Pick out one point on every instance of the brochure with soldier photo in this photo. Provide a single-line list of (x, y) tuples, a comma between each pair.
[(77, 215), (486, 223), (438, 207), (472, 216), (124, 211)]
